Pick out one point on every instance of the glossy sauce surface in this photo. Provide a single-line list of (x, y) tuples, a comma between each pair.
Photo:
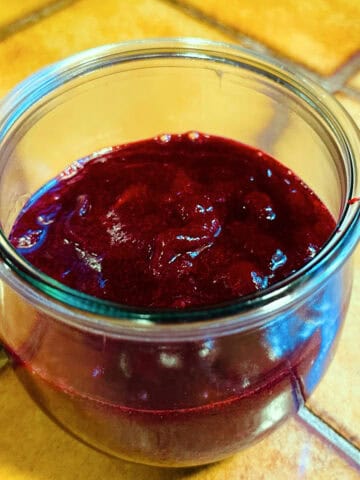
[(174, 221)]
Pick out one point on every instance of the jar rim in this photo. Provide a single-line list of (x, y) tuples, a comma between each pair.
[(93, 313)]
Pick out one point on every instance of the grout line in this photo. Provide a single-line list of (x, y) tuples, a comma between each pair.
[(344, 446), (339, 79), (331, 83), (350, 92), (33, 17), (338, 441), (275, 127), (244, 40)]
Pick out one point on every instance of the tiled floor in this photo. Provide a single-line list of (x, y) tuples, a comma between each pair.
[(92, 23), (319, 35), (337, 398), (292, 452)]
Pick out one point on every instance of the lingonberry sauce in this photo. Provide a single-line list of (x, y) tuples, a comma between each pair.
[(176, 221)]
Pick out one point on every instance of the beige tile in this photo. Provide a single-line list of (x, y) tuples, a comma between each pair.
[(290, 453), (355, 81), (47, 453), (89, 23), (11, 10), (320, 34), (337, 398), (352, 106)]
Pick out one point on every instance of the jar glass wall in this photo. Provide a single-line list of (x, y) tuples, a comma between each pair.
[(169, 387)]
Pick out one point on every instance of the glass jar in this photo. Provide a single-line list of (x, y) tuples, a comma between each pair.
[(167, 387)]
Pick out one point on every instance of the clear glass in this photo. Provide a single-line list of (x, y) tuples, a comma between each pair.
[(165, 387)]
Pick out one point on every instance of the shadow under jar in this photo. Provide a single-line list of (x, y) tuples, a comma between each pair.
[(174, 387)]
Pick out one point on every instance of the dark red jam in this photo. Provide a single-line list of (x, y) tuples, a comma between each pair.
[(174, 221)]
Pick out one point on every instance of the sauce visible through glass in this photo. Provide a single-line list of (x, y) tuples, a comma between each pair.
[(175, 221)]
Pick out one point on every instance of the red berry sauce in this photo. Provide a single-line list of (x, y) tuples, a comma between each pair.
[(174, 221)]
